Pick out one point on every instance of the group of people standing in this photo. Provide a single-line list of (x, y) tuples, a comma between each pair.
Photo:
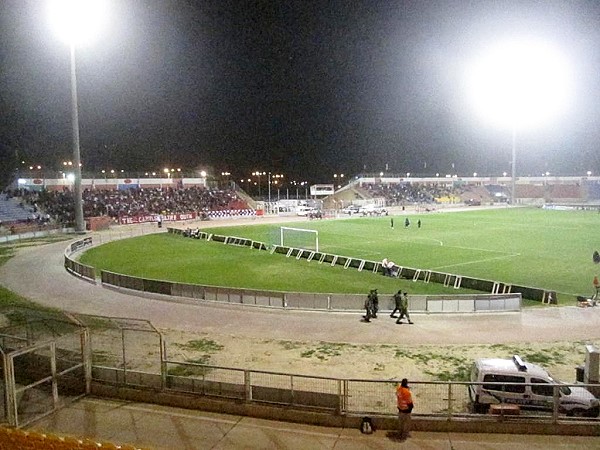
[(406, 223), (371, 306), (400, 305)]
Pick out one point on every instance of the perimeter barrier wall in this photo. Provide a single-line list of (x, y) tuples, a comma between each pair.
[(313, 301), (76, 268)]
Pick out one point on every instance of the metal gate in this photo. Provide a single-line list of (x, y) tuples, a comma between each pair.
[(40, 379)]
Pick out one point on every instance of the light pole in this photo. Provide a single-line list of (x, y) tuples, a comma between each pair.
[(277, 177), (336, 184), (76, 22), (79, 222), (519, 84), (513, 173), (269, 190), (258, 174)]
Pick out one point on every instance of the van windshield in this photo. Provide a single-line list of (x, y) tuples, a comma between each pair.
[(564, 390)]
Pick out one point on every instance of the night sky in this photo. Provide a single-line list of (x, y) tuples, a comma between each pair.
[(306, 88)]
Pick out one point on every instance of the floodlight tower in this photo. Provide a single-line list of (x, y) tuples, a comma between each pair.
[(519, 84), (76, 22)]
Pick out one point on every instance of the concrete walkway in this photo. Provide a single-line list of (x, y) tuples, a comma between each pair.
[(156, 427)]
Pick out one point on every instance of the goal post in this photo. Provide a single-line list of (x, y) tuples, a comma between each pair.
[(299, 238)]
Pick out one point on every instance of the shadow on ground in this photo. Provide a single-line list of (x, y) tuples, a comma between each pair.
[(395, 436)]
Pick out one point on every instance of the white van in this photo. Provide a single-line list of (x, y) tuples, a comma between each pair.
[(536, 392), (305, 210), (373, 210)]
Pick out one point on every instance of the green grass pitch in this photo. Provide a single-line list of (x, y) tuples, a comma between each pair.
[(528, 246)]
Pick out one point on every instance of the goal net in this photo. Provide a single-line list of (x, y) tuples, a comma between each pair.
[(299, 238)]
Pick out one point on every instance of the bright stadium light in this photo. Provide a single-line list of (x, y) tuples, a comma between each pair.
[(519, 84), (77, 22)]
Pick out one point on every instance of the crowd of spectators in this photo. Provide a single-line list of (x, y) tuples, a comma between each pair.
[(59, 205), (404, 193)]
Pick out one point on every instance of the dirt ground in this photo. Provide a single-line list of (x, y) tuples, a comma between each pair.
[(366, 361)]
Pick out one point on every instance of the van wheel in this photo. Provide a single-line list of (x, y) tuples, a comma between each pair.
[(577, 412), (480, 408)]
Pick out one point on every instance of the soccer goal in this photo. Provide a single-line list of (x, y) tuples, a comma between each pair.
[(299, 238)]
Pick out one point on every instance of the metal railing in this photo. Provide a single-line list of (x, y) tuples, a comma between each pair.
[(132, 353), (30, 232), (352, 397)]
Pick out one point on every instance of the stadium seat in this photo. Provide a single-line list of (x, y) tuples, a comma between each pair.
[(35, 440), (71, 442), (9, 437), (90, 444), (53, 442)]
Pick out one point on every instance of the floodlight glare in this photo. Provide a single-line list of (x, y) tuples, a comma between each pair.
[(519, 84), (77, 22)]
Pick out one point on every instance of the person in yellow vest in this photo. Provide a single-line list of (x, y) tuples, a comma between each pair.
[(596, 287), (405, 407)]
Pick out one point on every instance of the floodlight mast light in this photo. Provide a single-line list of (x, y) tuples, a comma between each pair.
[(76, 22), (519, 85)]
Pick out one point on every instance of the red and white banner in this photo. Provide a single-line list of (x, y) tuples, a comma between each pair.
[(126, 220)]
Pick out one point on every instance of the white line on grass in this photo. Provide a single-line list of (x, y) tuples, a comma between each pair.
[(353, 249), (511, 255), (408, 240), (437, 241)]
